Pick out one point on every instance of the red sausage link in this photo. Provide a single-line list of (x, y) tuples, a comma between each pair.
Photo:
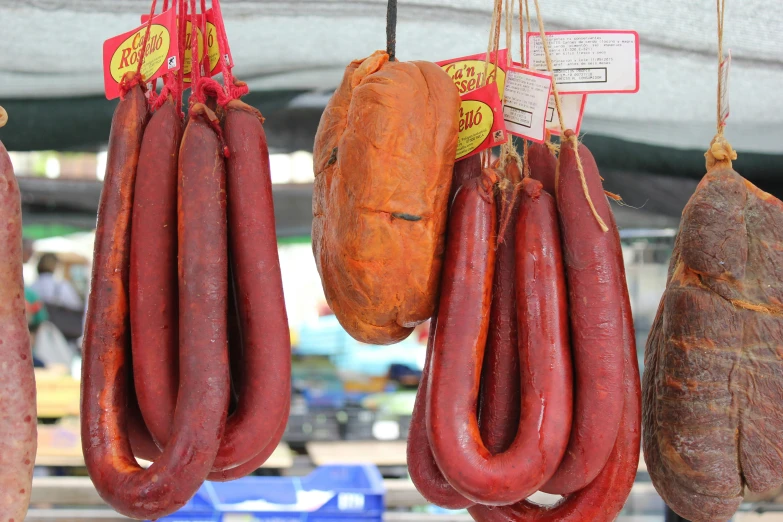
[(18, 427), (499, 397), (153, 271), (201, 407), (593, 273), (543, 345), (423, 469), (265, 392), (604, 498)]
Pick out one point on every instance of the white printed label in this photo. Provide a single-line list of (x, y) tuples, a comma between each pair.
[(525, 103), (587, 62), (724, 92), (573, 107)]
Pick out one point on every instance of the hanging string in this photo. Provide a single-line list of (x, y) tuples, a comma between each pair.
[(391, 29), (127, 84), (233, 89), (720, 150), (195, 69), (721, 6), (169, 80), (494, 29), (564, 136)]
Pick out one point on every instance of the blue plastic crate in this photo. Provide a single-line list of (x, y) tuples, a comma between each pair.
[(329, 494)]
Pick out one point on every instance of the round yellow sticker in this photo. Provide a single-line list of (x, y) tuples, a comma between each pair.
[(475, 124), (126, 57), (468, 75)]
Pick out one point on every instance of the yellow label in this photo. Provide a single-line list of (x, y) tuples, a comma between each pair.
[(212, 45), (475, 124), (126, 57), (199, 41), (468, 75)]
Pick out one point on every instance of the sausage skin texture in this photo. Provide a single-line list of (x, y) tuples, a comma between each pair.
[(263, 401), (464, 170), (153, 271), (604, 498), (200, 414), (595, 290), (423, 469), (458, 352), (18, 423), (543, 165), (499, 396)]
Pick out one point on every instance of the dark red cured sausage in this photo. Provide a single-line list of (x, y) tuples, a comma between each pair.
[(543, 344), (499, 399), (18, 431), (265, 393), (603, 499), (543, 165), (153, 271), (423, 469), (261, 341), (201, 410), (593, 273)]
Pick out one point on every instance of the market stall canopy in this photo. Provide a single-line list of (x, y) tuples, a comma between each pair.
[(52, 49)]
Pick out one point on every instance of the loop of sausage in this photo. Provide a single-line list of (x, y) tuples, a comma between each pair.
[(499, 396), (201, 407), (18, 427), (543, 346), (153, 271), (594, 289), (265, 389), (423, 469), (604, 498)]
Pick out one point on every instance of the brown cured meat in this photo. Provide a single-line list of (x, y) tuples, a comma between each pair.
[(18, 440), (713, 384), (383, 161)]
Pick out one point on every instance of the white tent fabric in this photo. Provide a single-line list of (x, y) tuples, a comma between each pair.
[(52, 48)]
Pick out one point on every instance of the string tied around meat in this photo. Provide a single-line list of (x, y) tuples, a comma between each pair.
[(569, 136)]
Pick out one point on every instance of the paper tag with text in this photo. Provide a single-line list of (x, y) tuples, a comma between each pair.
[(481, 123), (573, 107), (724, 91), (589, 62), (121, 53), (525, 103), (214, 47), (468, 72)]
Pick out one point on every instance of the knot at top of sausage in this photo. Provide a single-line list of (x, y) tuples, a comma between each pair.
[(720, 153), (383, 160)]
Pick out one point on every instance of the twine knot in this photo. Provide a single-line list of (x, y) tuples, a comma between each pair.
[(720, 151)]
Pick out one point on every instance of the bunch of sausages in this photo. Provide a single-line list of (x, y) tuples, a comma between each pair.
[(531, 380), (186, 356), (18, 423)]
